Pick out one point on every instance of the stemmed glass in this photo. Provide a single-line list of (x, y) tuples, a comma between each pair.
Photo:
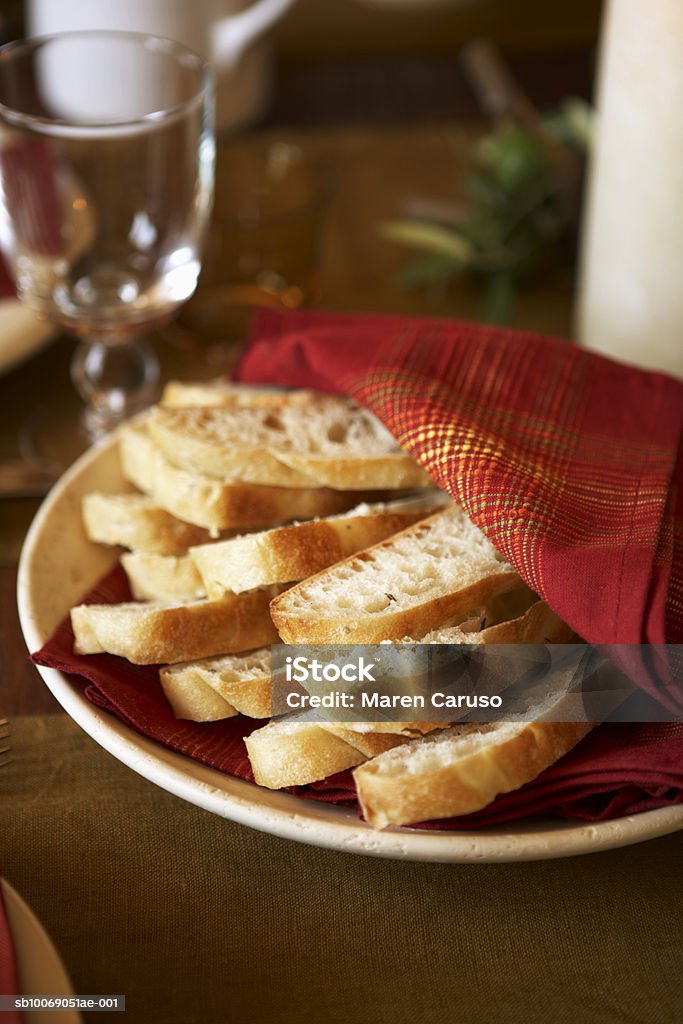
[(106, 183)]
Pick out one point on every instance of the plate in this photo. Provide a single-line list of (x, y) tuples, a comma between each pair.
[(59, 564), (40, 970), (21, 334)]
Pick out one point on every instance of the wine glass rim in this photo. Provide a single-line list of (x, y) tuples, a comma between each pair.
[(171, 47)]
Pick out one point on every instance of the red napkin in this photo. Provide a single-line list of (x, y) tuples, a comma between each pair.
[(9, 979), (570, 462)]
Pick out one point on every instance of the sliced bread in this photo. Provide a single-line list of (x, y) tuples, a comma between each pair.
[(294, 552), (290, 753), (538, 625), (442, 568), (157, 633), (218, 505), (241, 681), (323, 440), (136, 521), (459, 770), (194, 700)]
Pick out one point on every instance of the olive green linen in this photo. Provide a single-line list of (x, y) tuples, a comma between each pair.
[(200, 921)]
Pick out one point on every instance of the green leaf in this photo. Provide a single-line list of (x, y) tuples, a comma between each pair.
[(514, 157), (431, 237), (434, 267)]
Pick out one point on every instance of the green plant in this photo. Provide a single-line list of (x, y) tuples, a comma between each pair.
[(522, 200)]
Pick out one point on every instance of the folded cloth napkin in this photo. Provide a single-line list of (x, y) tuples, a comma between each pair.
[(617, 770), (570, 462), (9, 979)]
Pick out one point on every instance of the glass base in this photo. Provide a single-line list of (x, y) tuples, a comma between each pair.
[(115, 379)]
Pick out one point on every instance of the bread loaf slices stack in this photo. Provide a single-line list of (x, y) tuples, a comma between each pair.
[(261, 517), (205, 472)]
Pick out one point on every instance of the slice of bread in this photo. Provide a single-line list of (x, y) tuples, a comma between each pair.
[(459, 770), (215, 504), (324, 440), (155, 577), (294, 552), (241, 681), (290, 753), (538, 625), (156, 633), (194, 700), (135, 521), (192, 439), (438, 570)]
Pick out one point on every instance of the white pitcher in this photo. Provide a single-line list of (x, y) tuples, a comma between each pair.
[(225, 31)]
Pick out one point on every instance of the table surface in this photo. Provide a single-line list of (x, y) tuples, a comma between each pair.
[(200, 920)]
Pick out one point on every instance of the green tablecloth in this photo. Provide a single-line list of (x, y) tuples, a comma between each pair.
[(198, 920)]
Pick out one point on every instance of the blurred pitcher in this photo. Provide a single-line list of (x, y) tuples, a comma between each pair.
[(227, 32)]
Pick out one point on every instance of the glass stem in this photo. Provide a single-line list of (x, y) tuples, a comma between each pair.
[(115, 378)]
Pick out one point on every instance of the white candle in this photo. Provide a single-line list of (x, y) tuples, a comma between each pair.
[(631, 293)]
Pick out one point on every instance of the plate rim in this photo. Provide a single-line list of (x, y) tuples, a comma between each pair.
[(54, 975), (288, 816)]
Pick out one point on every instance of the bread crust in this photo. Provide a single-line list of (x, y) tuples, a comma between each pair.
[(359, 628), (408, 796), (271, 444), (538, 625), (441, 568), (289, 753), (217, 505), (242, 681), (378, 472), (149, 634), (194, 700)]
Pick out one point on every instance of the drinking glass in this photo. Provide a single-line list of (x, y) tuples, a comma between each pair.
[(106, 183)]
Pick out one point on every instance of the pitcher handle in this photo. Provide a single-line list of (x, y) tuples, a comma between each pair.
[(231, 36)]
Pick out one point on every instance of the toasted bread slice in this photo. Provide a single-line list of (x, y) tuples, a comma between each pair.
[(438, 570), (155, 577), (459, 770), (240, 681), (218, 505), (290, 553), (326, 441), (136, 521), (291, 753), (156, 633)]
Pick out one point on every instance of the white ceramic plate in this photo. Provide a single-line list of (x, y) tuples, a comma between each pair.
[(40, 970), (21, 334), (59, 564)]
